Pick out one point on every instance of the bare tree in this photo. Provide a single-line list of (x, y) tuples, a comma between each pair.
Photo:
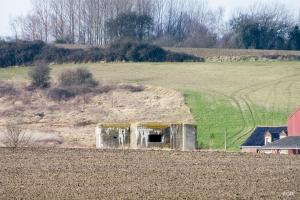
[(84, 21), (30, 28), (41, 9), (175, 22), (158, 17)]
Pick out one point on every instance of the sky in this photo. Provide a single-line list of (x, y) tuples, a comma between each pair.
[(10, 8)]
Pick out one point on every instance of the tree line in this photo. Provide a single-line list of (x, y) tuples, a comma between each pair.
[(191, 23)]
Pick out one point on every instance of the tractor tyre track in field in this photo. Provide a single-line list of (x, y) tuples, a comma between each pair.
[(242, 100), (254, 116), (240, 96), (238, 105), (236, 102), (289, 96)]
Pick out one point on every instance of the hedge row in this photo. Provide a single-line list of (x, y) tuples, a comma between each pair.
[(19, 53), (26, 53)]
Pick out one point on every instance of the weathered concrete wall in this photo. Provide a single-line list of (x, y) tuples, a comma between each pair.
[(113, 136), (147, 136), (189, 137), (176, 137), (133, 136), (152, 136)]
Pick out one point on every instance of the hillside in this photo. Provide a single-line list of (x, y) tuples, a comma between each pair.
[(223, 97), (72, 123), (82, 174)]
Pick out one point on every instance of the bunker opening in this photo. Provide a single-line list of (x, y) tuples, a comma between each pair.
[(155, 138)]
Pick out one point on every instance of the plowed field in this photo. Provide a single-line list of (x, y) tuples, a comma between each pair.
[(91, 174)]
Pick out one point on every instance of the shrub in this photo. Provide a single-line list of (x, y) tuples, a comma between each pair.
[(131, 51), (93, 55), (140, 52), (78, 77), (76, 56), (84, 56), (15, 137), (7, 57), (62, 55), (40, 75), (146, 52), (73, 83), (117, 51), (54, 54), (27, 51)]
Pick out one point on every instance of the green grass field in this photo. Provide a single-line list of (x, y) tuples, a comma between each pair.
[(217, 117), (230, 98)]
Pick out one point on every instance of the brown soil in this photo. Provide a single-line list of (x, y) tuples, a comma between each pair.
[(74, 121), (91, 174)]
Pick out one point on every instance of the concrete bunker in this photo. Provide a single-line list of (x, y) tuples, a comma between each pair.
[(176, 136), (114, 136)]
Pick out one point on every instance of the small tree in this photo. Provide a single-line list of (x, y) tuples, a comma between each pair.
[(15, 137), (130, 26), (40, 75)]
